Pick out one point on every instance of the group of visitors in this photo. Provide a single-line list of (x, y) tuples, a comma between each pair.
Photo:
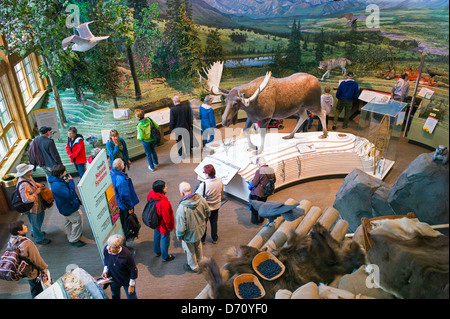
[(197, 208)]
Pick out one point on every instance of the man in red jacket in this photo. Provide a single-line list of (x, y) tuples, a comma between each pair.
[(75, 150), (161, 237)]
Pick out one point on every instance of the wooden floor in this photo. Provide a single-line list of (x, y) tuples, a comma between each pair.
[(161, 280)]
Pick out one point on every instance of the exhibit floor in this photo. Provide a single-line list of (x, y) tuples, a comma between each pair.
[(158, 279)]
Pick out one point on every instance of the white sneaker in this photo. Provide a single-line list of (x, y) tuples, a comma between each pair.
[(155, 165), (151, 169)]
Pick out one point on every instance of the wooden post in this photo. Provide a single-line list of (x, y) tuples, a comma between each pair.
[(414, 94)]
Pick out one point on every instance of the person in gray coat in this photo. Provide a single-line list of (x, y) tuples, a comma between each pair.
[(191, 217)]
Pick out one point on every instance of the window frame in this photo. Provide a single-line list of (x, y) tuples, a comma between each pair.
[(26, 80)]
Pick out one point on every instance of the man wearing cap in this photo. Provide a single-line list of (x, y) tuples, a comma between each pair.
[(47, 149), (347, 93), (29, 192)]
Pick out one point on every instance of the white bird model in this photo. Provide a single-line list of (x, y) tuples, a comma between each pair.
[(85, 41)]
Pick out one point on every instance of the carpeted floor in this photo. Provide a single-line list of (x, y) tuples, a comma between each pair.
[(161, 280)]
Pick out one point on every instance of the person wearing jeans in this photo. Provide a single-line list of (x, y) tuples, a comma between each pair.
[(120, 266), (76, 150), (161, 237), (212, 191), (29, 192), (144, 134)]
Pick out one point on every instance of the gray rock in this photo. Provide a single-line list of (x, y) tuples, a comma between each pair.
[(362, 195), (423, 189)]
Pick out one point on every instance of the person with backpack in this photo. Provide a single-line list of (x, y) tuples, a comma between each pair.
[(68, 203), (263, 185), (212, 191), (126, 196), (27, 251), (166, 220), (29, 192), (144, 134)]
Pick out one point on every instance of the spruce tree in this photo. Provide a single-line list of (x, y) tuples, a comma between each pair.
[(320, 46), (294, 52), (181, 45), (214, 50)]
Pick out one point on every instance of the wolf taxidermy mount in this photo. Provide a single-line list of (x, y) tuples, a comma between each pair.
[(333, 63), (316, 257), (267, 98)]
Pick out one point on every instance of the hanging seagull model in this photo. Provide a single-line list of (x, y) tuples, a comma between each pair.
[(85, 41), (352, 19)]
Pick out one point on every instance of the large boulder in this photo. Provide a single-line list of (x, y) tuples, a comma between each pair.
[(423, 189), (362, 195)]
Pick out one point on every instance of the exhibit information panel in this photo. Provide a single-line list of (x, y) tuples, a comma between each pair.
[(99, 200)]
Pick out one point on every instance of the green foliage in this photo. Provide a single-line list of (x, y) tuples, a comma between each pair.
[(320, 46), (214, 50), (97, 69), (294, 51), (147, 37), (179, 52)]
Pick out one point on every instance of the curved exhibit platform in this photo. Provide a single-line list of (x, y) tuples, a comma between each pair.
[(303, 157)]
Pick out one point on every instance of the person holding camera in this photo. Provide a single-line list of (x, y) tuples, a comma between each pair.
[(68, 203)]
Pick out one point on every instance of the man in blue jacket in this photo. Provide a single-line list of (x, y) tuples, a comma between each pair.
[(347, 93), (126, 196), (68, 203)]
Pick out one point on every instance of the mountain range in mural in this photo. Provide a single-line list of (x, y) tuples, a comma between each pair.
[(227, 12)]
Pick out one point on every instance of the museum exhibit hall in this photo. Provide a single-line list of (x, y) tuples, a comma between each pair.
[(189, 150)]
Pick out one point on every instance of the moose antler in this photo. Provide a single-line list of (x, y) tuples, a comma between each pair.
[(214, 75), (261, 87)]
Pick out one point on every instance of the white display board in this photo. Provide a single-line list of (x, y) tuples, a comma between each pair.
[(161, 117), (224, 170), (47, 117), (121, 114), (99, 201), (369, 95)]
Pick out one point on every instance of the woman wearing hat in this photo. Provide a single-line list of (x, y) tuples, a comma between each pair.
[(29, 192)]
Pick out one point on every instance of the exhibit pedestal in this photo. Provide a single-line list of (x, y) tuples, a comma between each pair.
[(303, 157)]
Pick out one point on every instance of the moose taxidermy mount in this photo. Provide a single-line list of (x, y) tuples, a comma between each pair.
[(267, 98)]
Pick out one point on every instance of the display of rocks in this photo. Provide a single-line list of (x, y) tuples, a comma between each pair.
[(362, 195), (422, 188)]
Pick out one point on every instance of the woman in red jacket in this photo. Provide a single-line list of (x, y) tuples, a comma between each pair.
[(75, 150), (161, 237)]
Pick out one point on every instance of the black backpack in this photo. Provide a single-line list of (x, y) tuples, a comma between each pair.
[(156, 134), (270, 187), (133, 227), (150, 214), (17, 202)]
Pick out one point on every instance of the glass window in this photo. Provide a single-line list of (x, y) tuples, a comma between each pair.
[(11, 136), (30, 75), (3, 150), (22, 82), (5, 118)]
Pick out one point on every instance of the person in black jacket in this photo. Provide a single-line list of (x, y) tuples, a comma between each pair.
[(48, 150), (119, 264), (181, 123)]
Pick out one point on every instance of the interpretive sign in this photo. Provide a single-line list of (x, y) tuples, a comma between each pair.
[(99, 201), (47, 117)]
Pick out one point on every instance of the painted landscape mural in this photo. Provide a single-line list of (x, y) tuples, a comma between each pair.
[(155, 50)]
